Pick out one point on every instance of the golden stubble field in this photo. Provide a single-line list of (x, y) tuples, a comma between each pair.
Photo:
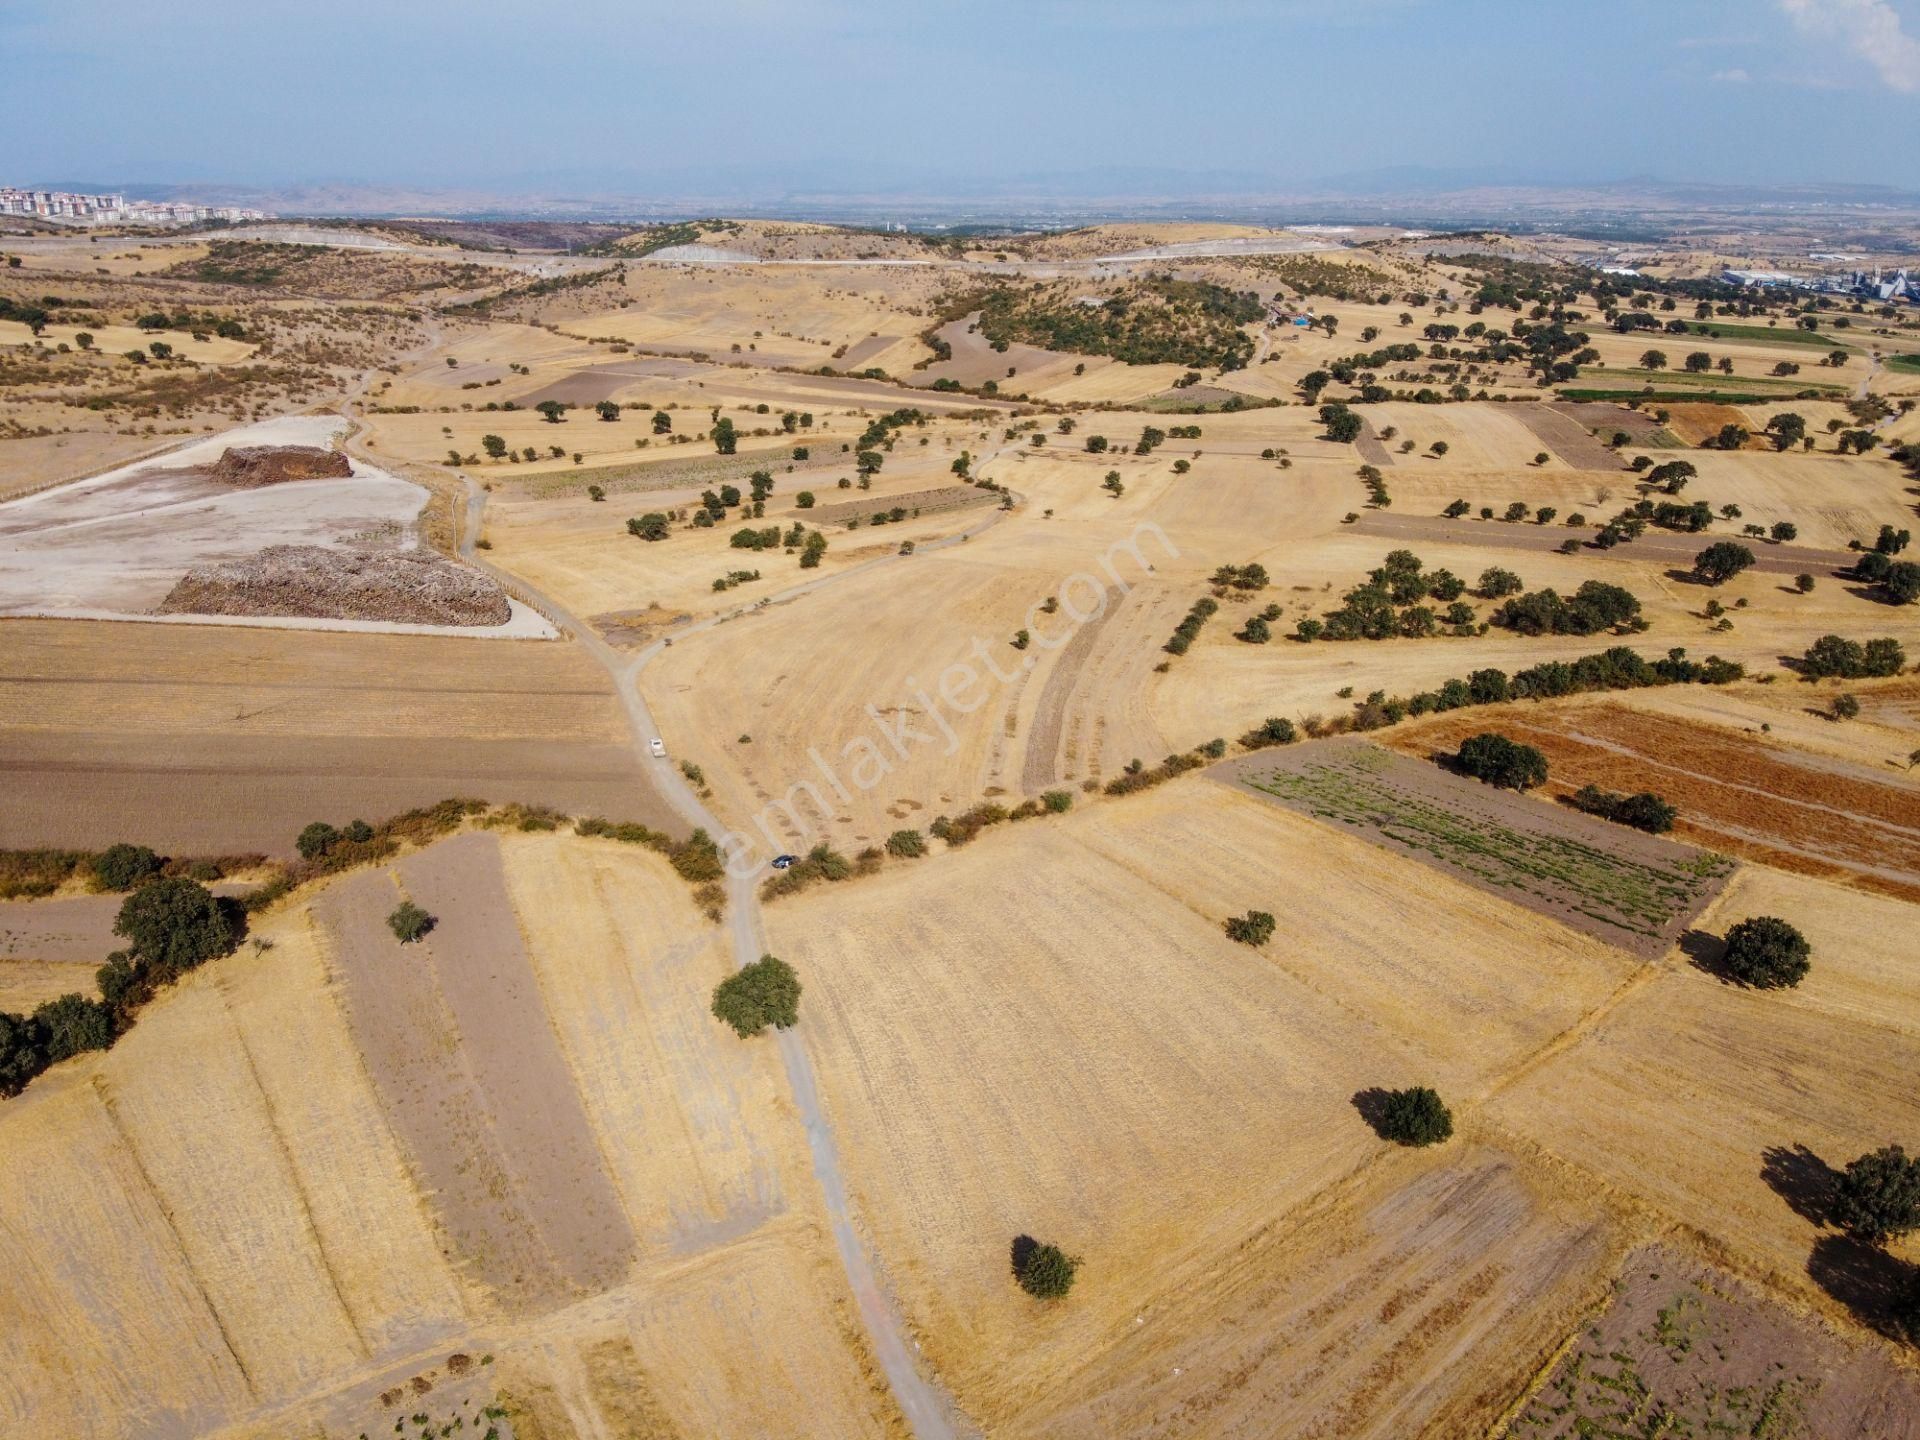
[(1079, 1054), (839, 672), (317, 1169)]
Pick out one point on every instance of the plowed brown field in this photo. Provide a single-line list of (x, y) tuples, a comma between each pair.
[(1738, 794)]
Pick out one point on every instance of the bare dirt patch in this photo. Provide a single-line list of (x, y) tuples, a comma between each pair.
[(1604, 419), (1566, 437), (1685, 1349), (1371, 447), (467, 1069), (413, 587), (250, 466), (1621, 886)]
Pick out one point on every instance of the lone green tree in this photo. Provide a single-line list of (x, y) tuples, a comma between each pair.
[(1721, 561), (726, 439), (1417, 1116), (1877, 1197), (1045, 1272), (409, 922), (607, 410), (767, 992), (1767, 953), (554, 411), (1253, 928)]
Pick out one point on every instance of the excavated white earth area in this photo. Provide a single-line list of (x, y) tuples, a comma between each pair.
[(113, 546)]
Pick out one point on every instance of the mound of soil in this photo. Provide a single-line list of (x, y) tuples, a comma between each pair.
[(251, 466), (409, 587)]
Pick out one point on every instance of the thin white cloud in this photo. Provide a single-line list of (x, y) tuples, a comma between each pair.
[(1735, 76), (1871, 29)]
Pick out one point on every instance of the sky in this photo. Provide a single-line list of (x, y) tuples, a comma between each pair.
[(763, 97)]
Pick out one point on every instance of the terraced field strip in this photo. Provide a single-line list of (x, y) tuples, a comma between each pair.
[(1656, 545), (1626, 888), (914, 502), (1799, 812), (1565, 437)]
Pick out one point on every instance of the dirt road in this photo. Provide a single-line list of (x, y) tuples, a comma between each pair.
[(929, 1412), (1677, 550)]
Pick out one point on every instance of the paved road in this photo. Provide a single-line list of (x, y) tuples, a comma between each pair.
[(930, 1414)]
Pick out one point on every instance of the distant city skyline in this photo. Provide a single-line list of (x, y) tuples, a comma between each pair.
[(757, 99)]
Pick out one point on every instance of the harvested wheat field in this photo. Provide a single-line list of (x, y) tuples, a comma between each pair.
[(204, 740), (323, 1165), (1127, 1039), (1748, 1081)]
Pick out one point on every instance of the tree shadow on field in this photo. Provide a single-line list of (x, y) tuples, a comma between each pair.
[(1802, 1179), (1023, 1248), (1372, 1105), (1708, 953), (1875, 1286)]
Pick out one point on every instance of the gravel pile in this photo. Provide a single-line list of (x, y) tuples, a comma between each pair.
[(408, 587), (251, 466)]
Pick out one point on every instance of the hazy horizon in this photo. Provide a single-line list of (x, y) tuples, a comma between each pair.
[(755, 100)]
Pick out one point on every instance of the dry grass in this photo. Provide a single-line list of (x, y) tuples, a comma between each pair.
[(227, 1217)]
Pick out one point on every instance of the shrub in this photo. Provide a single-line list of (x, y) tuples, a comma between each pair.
[(175, 924), (767, 992), (1595, 606), (1495, 582), (72, 1024), (906, 844), (1766, 953), (409, 922), (121, 867), (1644, 811), (1253, 928), (1877, 1198), (1058, 802), (1045, 1272), (1501, 762), (1414, 1117), (650, 526), (1833, 655), (316, 839), (1276, 730)]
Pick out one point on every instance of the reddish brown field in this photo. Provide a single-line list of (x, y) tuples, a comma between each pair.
[(1741, 795)]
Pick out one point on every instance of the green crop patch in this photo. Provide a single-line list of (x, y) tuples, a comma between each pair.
[(1629, 889)]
